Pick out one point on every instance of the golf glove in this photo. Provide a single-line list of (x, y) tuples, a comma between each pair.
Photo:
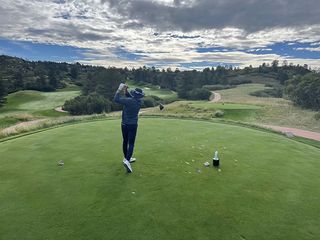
[(121, 86)]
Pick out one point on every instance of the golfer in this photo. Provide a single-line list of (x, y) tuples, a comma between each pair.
[(132, 103)]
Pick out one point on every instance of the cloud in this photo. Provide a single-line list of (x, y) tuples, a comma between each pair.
[(165, 32), (317, 49), (250, 15)]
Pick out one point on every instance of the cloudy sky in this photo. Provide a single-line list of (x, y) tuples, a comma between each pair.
[(188, 34)]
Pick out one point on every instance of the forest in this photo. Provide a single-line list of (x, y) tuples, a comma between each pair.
[(98, 84)]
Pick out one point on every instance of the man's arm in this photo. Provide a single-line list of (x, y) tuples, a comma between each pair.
[(117, 98), (127, 93)]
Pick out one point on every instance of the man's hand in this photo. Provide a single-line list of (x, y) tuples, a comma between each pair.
[(122, 86)]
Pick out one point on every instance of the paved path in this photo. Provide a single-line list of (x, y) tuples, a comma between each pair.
[(295, 132), (59, 109), (216, 97)]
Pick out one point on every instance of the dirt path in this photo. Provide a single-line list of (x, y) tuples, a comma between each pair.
[(216, 97), (295, 132)]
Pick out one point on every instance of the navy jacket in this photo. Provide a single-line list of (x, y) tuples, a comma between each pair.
[(131, 108)]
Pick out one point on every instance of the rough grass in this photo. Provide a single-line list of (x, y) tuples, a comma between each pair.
[(258, 194), (39, 124), (274, 111), (207, 110), (10, 120)]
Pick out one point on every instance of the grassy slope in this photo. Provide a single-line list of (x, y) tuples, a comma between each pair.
[(206, 110), (259, 194), (240, 94), (238, 105), (165, 94), (276, 111), (26, 105)]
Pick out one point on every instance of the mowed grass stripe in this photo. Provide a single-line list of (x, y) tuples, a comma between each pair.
[(267, 187)]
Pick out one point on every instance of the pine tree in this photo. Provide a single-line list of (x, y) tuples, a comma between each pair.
[(3, 92)]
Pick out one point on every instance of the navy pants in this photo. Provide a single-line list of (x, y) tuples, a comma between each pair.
[(129, 132)]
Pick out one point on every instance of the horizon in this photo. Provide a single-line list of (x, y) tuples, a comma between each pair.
[(184, 34), (160, 69)]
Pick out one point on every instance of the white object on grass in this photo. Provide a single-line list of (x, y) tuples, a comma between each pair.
[(216, 156), (206, 164)]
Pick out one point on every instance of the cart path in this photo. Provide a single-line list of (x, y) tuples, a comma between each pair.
[(59, 109), (216, 97), (295, 132)]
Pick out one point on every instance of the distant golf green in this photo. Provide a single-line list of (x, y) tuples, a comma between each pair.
[(25, 105), (165, 94), (268, 186), (31, 101)]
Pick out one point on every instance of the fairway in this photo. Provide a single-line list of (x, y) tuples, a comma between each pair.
[(32, 101), (151, 90), (268, 186), (28, 105)]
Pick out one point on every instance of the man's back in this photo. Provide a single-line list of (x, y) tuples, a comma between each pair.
[(131, 108)]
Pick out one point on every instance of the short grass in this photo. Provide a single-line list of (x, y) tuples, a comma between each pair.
[(34, 104), (207, 110), (30, 101), (241, 94), (268, 186), (165, 94)]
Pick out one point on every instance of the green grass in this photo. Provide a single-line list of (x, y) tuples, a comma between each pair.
[(50, 100), (30, 101), (8, 121), (274, 111), (206, 110), (33, 104), (224, 106), (268, 187), (241, 94), (165, 94)]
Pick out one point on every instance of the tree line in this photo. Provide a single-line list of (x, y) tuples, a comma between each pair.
[(99, 83)]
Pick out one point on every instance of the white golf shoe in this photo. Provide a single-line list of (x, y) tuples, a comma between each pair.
[(127, 165), (132, 160)]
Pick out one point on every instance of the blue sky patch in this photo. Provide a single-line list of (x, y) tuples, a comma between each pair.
[(124, 54), (214, 49), (41, 52), (288, 50), (205, 64)]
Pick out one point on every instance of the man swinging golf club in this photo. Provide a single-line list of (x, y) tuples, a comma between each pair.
[(132, 103)]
